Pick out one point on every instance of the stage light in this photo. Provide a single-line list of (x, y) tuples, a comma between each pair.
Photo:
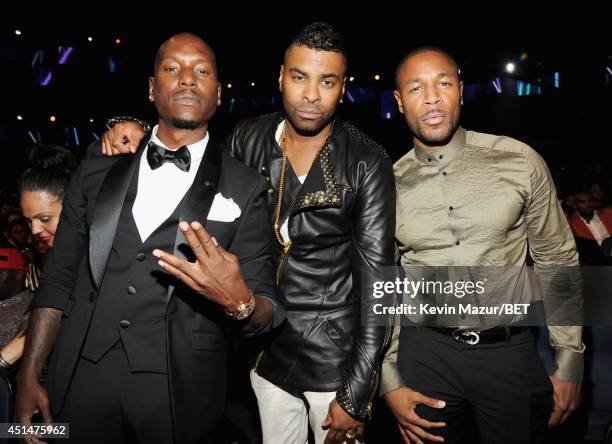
[(497, 85), (252, 83), (377, 77), (91, 120), (90, 39), (229, 86), (510, 67), (118, 41), (64, 54), (46, 80), (52, 119), (351, 79), (17, 32), (19, 117)]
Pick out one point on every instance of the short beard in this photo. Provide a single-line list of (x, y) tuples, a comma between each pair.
[(305, 132), (439, 141), (179, 123)]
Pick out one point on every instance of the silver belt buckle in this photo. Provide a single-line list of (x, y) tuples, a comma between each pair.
[(466, 337)]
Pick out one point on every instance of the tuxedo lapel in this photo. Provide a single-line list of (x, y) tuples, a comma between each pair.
[(108, 209)]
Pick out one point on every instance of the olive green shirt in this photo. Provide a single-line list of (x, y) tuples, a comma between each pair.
[(483, 200)]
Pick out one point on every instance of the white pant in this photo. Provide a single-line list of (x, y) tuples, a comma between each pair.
[(285, 418)]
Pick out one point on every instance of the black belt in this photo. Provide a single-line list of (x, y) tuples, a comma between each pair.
[(473, 337)]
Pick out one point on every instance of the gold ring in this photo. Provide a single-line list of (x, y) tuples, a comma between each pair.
[(349, 435)]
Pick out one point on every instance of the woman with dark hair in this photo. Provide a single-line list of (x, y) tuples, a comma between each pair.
[(42, 189), (41, 192)]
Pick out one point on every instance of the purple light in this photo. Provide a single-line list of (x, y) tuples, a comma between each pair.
[(46, 80), (350, 97), (497, 85), (65, 53)]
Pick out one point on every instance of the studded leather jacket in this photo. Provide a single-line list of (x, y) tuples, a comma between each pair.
[(341, 222)]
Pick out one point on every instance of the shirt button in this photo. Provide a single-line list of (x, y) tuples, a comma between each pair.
[(429, 159), (440, 157), (124, 323), (140, 257), (457, 242), (444, 173), (131, 289), (92, 296), (450, 208)]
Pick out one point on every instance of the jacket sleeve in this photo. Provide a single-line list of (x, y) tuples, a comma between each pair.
[(372, 258), (252, 245)]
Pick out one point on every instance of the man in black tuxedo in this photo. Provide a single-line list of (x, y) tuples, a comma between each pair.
[(138, 334)]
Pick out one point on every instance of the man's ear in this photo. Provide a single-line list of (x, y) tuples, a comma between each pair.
[(280, 78), (398, 99), (151, 89)]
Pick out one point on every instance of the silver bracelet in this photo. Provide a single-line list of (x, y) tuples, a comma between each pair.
[(114, 120)]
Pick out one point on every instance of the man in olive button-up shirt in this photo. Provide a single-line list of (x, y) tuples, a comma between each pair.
[(471, 199)]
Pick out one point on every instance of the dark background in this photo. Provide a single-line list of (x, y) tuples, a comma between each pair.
[(569, 125)]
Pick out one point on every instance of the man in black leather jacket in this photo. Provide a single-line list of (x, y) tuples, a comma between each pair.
[(332, 205)]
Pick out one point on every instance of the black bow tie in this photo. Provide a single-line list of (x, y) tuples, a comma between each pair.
[(158, 155)]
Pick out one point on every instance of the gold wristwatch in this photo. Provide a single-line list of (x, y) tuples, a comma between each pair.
[(243, 310)]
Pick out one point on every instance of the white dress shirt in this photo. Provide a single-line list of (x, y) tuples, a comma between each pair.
[(597, 228), (161, 190)]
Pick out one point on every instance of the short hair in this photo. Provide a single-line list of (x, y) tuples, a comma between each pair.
[(421, 50), (319, 36), (159, 52)]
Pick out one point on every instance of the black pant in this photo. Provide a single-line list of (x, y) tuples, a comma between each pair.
[(106, 403), (503, 386)]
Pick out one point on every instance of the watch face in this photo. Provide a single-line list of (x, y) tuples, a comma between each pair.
[(245, 312)]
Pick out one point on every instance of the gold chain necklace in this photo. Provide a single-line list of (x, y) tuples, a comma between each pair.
[(281, 186)]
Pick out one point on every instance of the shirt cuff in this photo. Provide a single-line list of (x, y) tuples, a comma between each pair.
[(569, 365), (391, 379)]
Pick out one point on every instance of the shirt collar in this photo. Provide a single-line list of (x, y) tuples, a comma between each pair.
[(594, 219), (196, 150), (443, 155)]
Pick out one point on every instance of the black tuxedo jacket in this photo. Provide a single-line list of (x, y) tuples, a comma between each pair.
[(196, 328)]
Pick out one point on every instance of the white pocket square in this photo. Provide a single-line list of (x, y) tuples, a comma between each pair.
[(223, 209)]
